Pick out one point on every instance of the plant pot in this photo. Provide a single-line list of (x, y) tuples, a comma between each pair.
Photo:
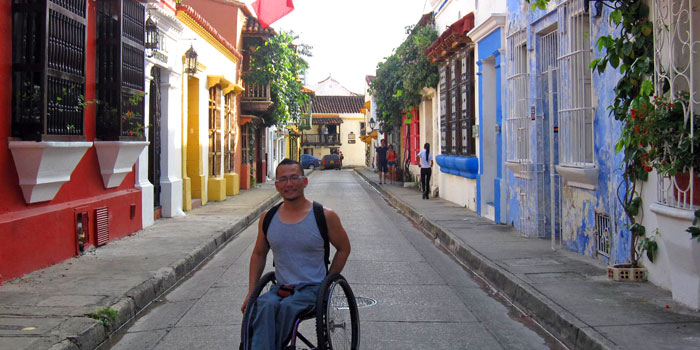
[(627, 273), (682, 189)]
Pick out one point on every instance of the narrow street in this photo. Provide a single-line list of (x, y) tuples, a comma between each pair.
[(424, 299)]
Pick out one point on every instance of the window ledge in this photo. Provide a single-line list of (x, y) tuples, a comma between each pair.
[(517, 169), (116, 159), (464, 166), (686, 215), (43, 167), (585, 177)]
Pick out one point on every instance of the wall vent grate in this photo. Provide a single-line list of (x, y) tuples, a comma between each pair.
[(602, 228), (102, 225)]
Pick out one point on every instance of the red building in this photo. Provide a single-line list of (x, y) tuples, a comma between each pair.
[(57, 58)]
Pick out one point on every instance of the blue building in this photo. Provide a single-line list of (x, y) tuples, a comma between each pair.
[(559, 137)]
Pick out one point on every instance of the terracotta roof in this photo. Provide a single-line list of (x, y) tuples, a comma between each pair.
[(252, 26), (337, 104), (326, 121), (454, 37), (209, 28)]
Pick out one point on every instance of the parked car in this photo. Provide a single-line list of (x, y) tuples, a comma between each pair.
[(330, 161), (310, 162)]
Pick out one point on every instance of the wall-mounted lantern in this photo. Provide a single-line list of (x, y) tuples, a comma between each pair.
[(152, 35), (190, 61), (371, 123)]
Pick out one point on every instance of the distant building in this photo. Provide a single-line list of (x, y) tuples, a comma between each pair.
[(331, 87)]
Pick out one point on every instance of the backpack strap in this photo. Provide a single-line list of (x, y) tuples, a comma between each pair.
[(323, 228), (268, 219)]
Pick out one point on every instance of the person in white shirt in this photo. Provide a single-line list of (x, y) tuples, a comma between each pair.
[(426, 163)]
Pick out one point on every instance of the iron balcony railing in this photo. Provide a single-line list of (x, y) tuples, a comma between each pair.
[(320, 139)]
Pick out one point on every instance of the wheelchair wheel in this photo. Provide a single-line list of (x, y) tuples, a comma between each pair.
[(266, 281), (337, 316)]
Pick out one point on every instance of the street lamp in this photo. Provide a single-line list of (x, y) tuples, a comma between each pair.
[(190, 61), (151, 34), (371, 123)]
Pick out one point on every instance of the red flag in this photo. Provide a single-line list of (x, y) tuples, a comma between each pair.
[(269, 11)]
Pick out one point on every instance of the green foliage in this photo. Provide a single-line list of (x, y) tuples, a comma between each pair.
[(107, 316), (402, 76), (663, 126), (538, 4), (279, 63)]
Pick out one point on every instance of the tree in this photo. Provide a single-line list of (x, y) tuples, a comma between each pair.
[(279, 63), (402, 76)]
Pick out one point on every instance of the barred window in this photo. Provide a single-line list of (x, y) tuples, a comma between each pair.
[(457, 104), (48, 68), (120, 69), (518, 121), (575, 111), (215, 130), (677, 80), (230, 132)]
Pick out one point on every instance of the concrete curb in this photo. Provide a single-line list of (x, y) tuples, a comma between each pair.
[(139, 297), (562, 324)]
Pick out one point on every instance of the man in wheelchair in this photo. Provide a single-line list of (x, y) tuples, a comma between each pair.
[(294, 231)]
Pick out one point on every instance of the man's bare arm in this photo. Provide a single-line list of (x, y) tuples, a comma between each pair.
[(339, 239), (257, 260)]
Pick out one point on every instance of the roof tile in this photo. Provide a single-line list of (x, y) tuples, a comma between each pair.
[(337, 104)]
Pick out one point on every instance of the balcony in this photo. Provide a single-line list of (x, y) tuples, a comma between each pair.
[(320, 140), (255, 98)]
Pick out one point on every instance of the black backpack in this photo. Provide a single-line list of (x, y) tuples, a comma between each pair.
[(320, 222)]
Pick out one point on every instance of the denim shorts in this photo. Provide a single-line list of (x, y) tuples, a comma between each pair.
[(391, 163)]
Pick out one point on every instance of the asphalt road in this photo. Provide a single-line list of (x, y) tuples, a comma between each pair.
[(424, 299)]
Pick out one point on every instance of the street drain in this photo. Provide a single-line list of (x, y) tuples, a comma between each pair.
[(365, 302)]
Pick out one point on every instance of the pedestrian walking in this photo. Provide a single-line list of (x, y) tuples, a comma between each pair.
[(381, 161), (391, 163), (340, 156), (299, 252), (426, 165)]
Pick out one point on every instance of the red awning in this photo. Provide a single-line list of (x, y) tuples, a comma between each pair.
[(453, 38)]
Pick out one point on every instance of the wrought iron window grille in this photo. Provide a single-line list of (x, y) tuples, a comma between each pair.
[(48, 69), (120, 69)]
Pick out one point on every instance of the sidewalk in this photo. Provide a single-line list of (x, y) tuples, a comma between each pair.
[(47, 309), (567, 293)]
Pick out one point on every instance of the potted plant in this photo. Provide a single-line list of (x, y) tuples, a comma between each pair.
[(674, 151)]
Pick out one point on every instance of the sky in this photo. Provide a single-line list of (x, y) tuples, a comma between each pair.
[(349, 37)]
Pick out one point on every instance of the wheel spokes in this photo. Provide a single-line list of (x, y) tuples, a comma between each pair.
[(338, 319)]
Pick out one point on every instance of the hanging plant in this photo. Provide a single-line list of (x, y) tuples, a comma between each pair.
[(279, 63)]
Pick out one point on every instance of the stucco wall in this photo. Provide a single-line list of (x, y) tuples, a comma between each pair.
[(353, 153), (457, 189)]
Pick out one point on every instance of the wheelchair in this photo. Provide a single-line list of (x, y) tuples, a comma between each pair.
[(336, 314)]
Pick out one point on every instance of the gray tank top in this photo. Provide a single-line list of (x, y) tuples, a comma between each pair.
[(297, 250)]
